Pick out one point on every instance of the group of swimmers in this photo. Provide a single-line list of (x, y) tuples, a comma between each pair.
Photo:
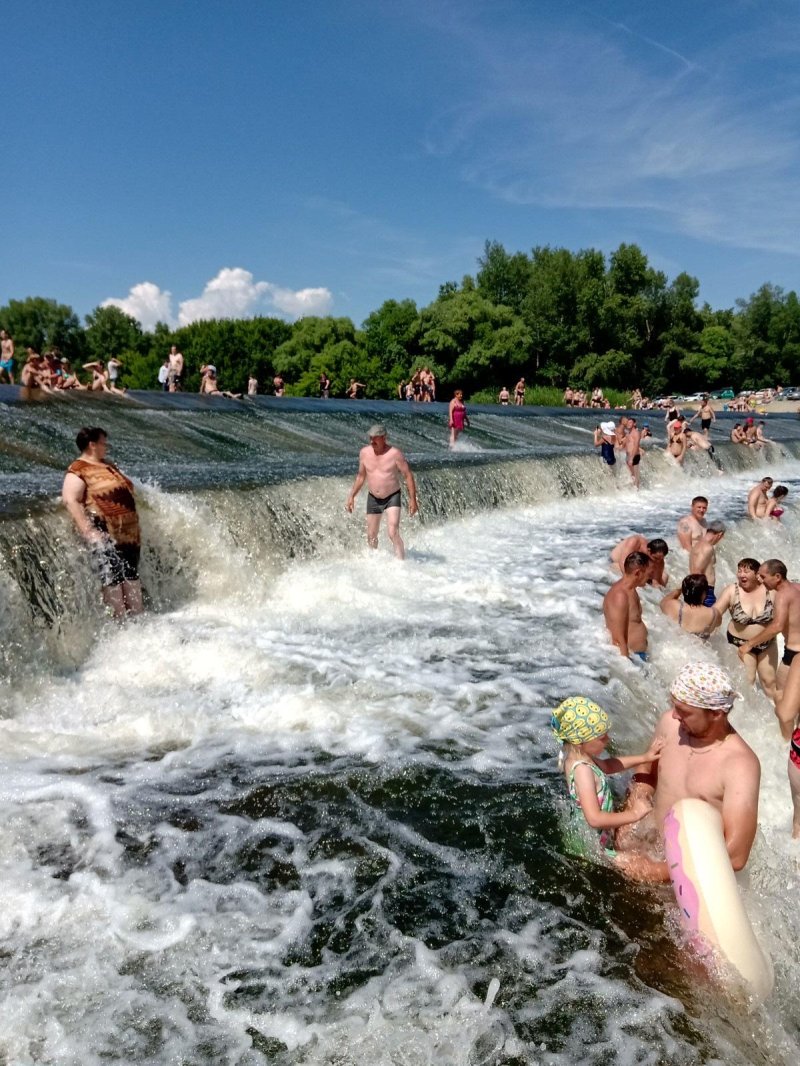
[(761, 604)]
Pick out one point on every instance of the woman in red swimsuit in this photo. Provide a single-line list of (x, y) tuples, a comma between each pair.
[(457, 416)]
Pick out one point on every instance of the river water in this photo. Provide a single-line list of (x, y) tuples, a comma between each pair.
[(307, 810)]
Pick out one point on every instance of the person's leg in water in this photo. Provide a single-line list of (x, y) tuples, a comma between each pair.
[(767, 669), (132, 596), (393, 529), (794, 781), (788, 704), (373, 527), (114, 599)]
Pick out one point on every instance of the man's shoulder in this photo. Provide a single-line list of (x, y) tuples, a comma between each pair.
[(740, 757)]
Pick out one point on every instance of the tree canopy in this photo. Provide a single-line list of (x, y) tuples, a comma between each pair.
[(554, 316)]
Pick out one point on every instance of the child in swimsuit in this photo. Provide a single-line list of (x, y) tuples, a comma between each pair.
[(582, 728)]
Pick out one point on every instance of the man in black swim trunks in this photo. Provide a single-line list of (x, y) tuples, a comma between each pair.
[(785, 620), (633, 450), (380, 465)]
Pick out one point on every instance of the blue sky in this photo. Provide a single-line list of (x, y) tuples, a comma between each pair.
[(235, 157)]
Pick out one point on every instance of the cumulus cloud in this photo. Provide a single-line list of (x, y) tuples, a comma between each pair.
[(233, 293), (147, 303)]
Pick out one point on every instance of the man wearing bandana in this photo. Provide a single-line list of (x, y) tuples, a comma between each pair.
[(703, 757)]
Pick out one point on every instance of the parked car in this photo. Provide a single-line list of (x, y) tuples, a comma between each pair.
[(722, 394), (790, 394)]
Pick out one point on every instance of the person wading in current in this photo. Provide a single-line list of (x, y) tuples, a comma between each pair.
[(622, 607), (693, 525), (100, 502), (656, 549), (785, 620), (757, 497), (605, 439), (703, 558), (633, 450), (381, 466), (458, 420), (702, 757)]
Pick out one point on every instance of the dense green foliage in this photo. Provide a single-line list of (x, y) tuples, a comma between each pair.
[(555, 317)]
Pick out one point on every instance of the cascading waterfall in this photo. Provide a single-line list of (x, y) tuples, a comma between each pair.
[(306, 810)]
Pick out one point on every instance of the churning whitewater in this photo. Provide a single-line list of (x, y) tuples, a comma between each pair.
[(307, 809)]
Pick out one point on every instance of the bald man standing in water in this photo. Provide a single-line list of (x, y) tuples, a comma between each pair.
[(622, 607), (380, 465)]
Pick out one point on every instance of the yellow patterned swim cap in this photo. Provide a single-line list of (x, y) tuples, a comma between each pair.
[(579, 719)]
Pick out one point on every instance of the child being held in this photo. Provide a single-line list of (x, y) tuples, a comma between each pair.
[(582, 727)]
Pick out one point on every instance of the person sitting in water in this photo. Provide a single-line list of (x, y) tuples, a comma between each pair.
[(622, 607), (676, 445), (656, 549), (702, 757), (738, 435), (752, 608), (209, 385), (686, 607), (581, 727), (697, 441)]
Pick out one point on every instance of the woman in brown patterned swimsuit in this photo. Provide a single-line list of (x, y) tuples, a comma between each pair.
[(100, 501)]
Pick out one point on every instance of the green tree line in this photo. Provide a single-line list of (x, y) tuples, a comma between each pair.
[(554, 316)]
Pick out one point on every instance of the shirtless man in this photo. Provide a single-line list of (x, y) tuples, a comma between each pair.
[(757, 497), (702, 757), (622, 607), (209, 386), (354, 388), (619, 433), (519, 393), (6, 357), (633, 450), (706, 415), (761, 440), (693, 525), (785, 620), (175, 373), (703, 558), (656, 549), (504, 396), (380, 465)]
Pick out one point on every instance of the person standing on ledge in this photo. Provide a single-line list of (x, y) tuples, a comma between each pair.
[(380, 465), (100, 502)]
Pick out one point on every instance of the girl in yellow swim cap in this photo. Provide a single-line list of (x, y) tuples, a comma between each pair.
[(582, 727)]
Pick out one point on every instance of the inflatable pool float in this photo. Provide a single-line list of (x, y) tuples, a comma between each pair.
[(707, 893)]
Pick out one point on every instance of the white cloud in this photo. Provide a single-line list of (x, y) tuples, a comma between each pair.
[(300, 303), (233, 293), (147, 303)]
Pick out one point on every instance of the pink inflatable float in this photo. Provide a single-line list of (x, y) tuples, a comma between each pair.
[(707, 893)]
